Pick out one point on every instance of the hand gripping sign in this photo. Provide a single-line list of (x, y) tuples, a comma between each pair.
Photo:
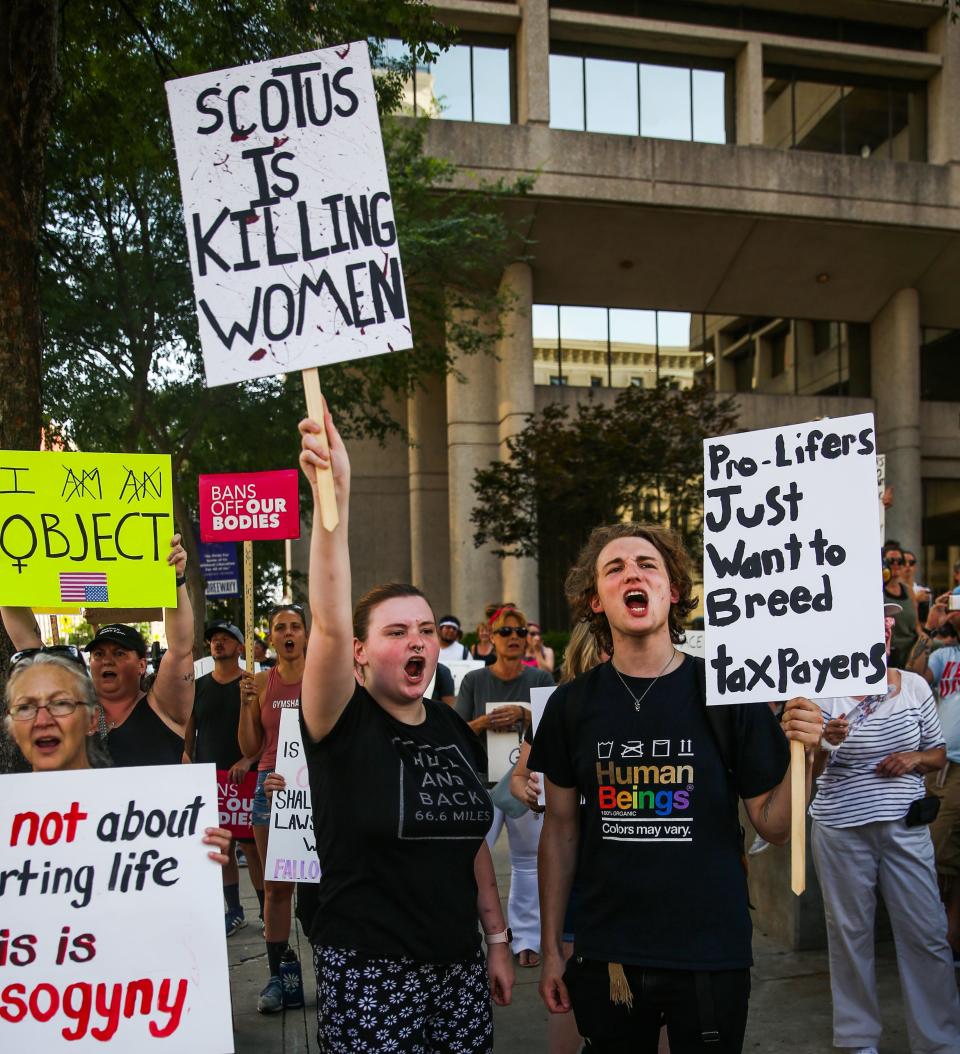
[(85, 530), (289, 219), (112, 913), (791, 573)]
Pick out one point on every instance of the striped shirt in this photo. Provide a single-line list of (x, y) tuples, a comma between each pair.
[(849, 791)]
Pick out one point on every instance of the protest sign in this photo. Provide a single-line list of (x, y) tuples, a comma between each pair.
[(292, 848), (112, 913), (289, 218), (249, 506), (881, 490), (220, 570), (693, 643), (235, 801), (459, 668), (791, 563), (539, 697), (503, 748), (86, 529)]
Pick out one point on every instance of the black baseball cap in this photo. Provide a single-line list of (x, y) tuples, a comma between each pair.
[(122, 635), (222, 626)]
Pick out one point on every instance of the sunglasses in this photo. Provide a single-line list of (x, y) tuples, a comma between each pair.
[(508, 631), (894, 561), (66, 651), (910, 563)]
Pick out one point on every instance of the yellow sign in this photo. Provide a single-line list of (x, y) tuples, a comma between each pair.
[(86, 530)]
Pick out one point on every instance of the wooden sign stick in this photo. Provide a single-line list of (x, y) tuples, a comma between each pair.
[(798, 817), (329, 516), (248, 606), (55, 629)]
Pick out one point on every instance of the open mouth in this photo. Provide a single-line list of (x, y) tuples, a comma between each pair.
[(108, 675), (46, 743), (414, 667), (636, 601), (289, 645)]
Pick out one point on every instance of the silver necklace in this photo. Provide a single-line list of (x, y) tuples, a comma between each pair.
[(636, 701)]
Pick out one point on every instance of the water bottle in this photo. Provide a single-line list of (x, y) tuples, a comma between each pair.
[(291, 979)]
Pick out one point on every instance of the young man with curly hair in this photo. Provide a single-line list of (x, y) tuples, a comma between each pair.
[(641, 788)]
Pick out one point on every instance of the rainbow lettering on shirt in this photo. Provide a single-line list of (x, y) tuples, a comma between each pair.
[(648, 801)]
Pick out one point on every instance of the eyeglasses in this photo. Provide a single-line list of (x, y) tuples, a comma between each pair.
[(66, 651), (910, 563), (58, 708), (508, 631), (894, 561)]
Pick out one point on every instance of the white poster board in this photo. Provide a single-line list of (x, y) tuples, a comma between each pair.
[(791, 568), (289, 218), (538, 703), (114, 913), (460, 668), (694, 643), (881, 489), (503, 748), (292, 845)]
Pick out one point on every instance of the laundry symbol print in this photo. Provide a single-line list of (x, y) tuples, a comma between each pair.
[(605, 749), (661, 748), (633, 748), (686, 748)]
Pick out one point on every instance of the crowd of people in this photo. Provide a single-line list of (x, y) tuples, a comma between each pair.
[(622, 812)]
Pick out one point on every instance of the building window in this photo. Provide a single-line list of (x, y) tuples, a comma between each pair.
[(556, 380), (662, 99), (939, 355), (592, 347), (468, 82), (844, 114)]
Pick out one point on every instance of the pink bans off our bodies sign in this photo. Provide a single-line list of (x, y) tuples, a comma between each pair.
[(249, 506)]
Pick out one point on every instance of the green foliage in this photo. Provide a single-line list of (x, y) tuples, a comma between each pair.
[(640, 459), (122, 362)]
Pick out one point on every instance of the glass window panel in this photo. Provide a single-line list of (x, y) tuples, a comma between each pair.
[(491, 85), (673, 329), (665, 102), (583, 323), (545, 331), (392, 50), (611, 96), (867, 116), (819, 117), (451, 83), (675, 359), (566, 92), (628, 326), (709, 106)]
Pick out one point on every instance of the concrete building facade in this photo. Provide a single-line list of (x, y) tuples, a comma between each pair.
[(766, 195)]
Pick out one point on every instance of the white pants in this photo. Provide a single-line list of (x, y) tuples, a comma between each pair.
[(523, 907), (852, 863)]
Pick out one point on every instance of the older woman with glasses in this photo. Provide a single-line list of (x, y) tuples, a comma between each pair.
[(53, 717), (508, 681)]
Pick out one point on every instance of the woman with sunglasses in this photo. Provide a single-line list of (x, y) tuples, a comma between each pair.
[(263, 698), (52, 715), (509, 681), (897, 592), (399, 814)]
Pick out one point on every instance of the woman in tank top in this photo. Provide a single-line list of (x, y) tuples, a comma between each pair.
[(264, 697)]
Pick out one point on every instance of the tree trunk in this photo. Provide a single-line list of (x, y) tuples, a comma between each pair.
[(28, 86)]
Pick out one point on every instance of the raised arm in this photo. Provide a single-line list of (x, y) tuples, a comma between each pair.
[(21, 627), (328, 679), (250, 728), (173, 689)]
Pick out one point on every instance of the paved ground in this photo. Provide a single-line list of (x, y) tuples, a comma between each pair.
[(790, 1005)]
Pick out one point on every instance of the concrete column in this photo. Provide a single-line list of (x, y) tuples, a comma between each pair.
[(895, 383), (533, 63), (748, 87), (515, 401), (429, 508), (943, 90), (472, 443)]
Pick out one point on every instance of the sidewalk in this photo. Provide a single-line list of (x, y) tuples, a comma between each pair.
[(790, 1006)]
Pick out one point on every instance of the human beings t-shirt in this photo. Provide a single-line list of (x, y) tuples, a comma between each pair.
[(216, 717), (659, 874), (399, 814)]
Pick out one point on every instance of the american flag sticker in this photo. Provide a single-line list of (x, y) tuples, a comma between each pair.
[(81, 585)]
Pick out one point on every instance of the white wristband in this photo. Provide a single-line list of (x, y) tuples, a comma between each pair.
[(504, 937), (830, 748)]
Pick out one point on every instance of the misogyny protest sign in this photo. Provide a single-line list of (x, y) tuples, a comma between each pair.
[(112, 913), (87, 529), (289, 218), (292, 848), (249, 506), (791, 563), (235, 802)]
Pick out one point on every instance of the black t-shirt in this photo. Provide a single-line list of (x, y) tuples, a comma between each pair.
[(659, 874), (143, 739), (444, 683), (216, 717), (400, 815)]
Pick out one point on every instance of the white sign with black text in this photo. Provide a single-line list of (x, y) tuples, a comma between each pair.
[(292, 845), (289, 217), (791, 567), (503, 748)]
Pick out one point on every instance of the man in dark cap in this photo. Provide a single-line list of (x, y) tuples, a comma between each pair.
[(141, 728), (211, 736)]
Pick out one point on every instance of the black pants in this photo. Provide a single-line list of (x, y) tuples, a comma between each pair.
[(668, 997)]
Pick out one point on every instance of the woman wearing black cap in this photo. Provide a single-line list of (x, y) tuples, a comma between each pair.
[(141, 728)]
